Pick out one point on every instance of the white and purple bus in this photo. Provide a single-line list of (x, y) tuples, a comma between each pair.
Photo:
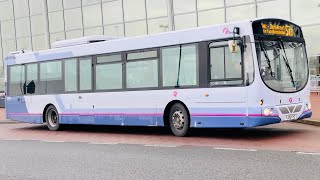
[(235, 75)]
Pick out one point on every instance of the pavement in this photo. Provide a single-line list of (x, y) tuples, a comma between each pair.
[(315, 119), (280, 137)]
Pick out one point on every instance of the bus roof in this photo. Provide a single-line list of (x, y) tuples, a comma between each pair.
[(83, 46)]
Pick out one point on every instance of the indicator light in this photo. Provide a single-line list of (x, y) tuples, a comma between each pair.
[(261, 102)]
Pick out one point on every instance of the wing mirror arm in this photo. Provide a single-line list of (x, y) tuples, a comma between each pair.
[(232, 43)]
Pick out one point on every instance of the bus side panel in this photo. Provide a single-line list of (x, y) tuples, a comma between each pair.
[(220, 107), (16, 109), (140, 108)]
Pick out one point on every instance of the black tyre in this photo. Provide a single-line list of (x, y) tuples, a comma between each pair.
[(52, 118), (179, 120)]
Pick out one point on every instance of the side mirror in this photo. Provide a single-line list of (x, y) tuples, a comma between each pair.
[(233, 46)]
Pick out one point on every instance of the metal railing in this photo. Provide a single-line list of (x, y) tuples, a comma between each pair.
[(315, 84)]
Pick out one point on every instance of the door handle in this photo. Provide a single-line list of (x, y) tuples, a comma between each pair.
[(80, 97)]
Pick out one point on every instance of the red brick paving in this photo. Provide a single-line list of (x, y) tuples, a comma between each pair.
[(315, 102), (2, 114), (284, 136)]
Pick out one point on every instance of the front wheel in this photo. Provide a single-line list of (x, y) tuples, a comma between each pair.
[(179, 120), (52, 118)]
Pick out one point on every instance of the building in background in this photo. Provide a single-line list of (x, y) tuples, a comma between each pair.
[(35, 24)]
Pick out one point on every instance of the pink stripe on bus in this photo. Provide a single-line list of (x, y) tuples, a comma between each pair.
[(204, 114), (141, 114)]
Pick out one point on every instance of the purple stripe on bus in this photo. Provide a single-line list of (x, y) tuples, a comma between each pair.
[(141, 114), (204, 114), (91, 114), (258, 115), (233, 115)]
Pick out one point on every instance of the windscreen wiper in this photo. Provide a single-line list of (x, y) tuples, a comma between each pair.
[(285, 58), (267, 57)]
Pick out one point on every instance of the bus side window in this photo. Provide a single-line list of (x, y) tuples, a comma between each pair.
[(108, 72), (225, 66), (85, 74), (188, 65), (51, 81), (70, 75), (32, 78), (16, 80)]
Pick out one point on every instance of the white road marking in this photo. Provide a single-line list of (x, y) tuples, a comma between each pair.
[(12, 139), (52, 141), (98, 143), (159, 145), (308, 153), (234, 149)]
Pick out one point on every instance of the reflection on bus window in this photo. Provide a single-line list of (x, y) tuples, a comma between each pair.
[(70, 75), (85, 74), (188, 66), (226, 67), (16, 80), (32, 78), (109, 76), (142, 74)]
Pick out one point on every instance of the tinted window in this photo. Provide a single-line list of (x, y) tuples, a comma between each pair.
[(50, 71), (233, 64), (217, 63), (142, 74), (16, 80), (108, 58), (51, 78), (32, 79), (188, 65), (109, 76), (226, 67), (70, 75), (85, 74), (142, 55), (17, 74)]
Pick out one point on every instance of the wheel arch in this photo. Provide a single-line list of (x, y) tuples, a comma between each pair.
[(166, 113), (44, 111)]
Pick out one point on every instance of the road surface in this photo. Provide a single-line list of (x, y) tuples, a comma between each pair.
[(282, 151)]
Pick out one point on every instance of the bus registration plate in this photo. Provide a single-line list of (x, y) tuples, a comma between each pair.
[(291, 117)]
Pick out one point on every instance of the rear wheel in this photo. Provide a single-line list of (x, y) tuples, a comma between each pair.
[(179, 120), (52, 118)]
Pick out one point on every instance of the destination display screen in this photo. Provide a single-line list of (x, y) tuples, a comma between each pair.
[(274, 27)]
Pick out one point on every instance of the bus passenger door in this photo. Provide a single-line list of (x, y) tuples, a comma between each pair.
[(108, 80), (84, 109), (16, 108), (83, 103), (224, 102), (30, 89)]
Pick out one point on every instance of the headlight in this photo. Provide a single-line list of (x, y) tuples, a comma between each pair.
[(271, 112), (268, 112), (309, 106)]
